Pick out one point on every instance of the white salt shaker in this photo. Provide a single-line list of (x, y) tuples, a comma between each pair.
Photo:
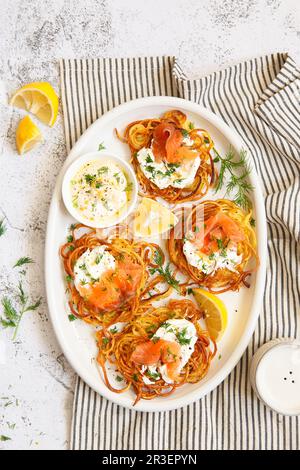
[(275, 375)]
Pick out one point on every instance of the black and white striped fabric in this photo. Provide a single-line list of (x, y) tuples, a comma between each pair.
[(260, 99)]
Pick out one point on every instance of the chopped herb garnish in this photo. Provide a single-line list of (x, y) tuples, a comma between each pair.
[(119, 378), (181, 336), (101, 147), (152, 375), (68, 278), (223, 253), (117, 176), (70, 238), (184, 132), (114, 330), (72, 227), (103, 169), (189, 290), (149, 159), (220, 243), (135, 377), (105, 341), (191, 125), (196, 229), (98, 258), (4, 438), (22, 261), (71, 247), (236, 183), (150, 169), (252, 222), (150, 328), (90, 178), (72, 317), (178, 180), (105, 203), (155, 339), (211, 256)]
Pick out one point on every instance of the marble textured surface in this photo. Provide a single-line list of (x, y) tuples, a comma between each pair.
[(36, 382)]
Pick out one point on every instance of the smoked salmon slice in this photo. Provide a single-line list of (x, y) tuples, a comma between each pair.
[(151, 353), (167, 144), (218, 227), (114, 287)]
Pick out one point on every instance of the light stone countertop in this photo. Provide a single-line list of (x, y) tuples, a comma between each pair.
[(36, 382)]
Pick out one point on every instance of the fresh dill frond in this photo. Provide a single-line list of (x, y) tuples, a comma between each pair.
[(11, 317), (10, 314), (23, 260), (21, 294), (2, 227), (237, 184), (158, 258), (166, 272)]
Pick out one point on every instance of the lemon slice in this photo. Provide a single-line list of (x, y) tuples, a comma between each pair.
[(28, 135), (40, 99), (215, 312), (152, 218)]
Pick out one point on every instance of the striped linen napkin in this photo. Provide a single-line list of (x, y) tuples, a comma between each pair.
[(260, 99)]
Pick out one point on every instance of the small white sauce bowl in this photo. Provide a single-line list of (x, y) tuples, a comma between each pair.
[(103, 158)]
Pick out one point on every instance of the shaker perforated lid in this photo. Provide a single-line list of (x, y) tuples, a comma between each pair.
[(275, 375)]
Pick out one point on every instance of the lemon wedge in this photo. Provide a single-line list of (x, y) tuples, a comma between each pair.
[(28, 135), (40, 99), (152, 218), (215, 312)]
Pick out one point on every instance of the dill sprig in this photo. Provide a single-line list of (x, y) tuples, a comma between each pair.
[(11, 317), (237, 183), (164, 271), (23, 260), (2, 227)]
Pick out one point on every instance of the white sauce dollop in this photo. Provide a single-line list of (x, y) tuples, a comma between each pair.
[(100, 191), (208, 264), (91, 265), (179, 175)]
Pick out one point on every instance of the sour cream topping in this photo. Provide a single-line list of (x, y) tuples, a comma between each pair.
[(91, 265), (208, 264), (163, 174)]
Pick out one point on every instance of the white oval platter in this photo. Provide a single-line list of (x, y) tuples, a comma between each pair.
[(76, 338)]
